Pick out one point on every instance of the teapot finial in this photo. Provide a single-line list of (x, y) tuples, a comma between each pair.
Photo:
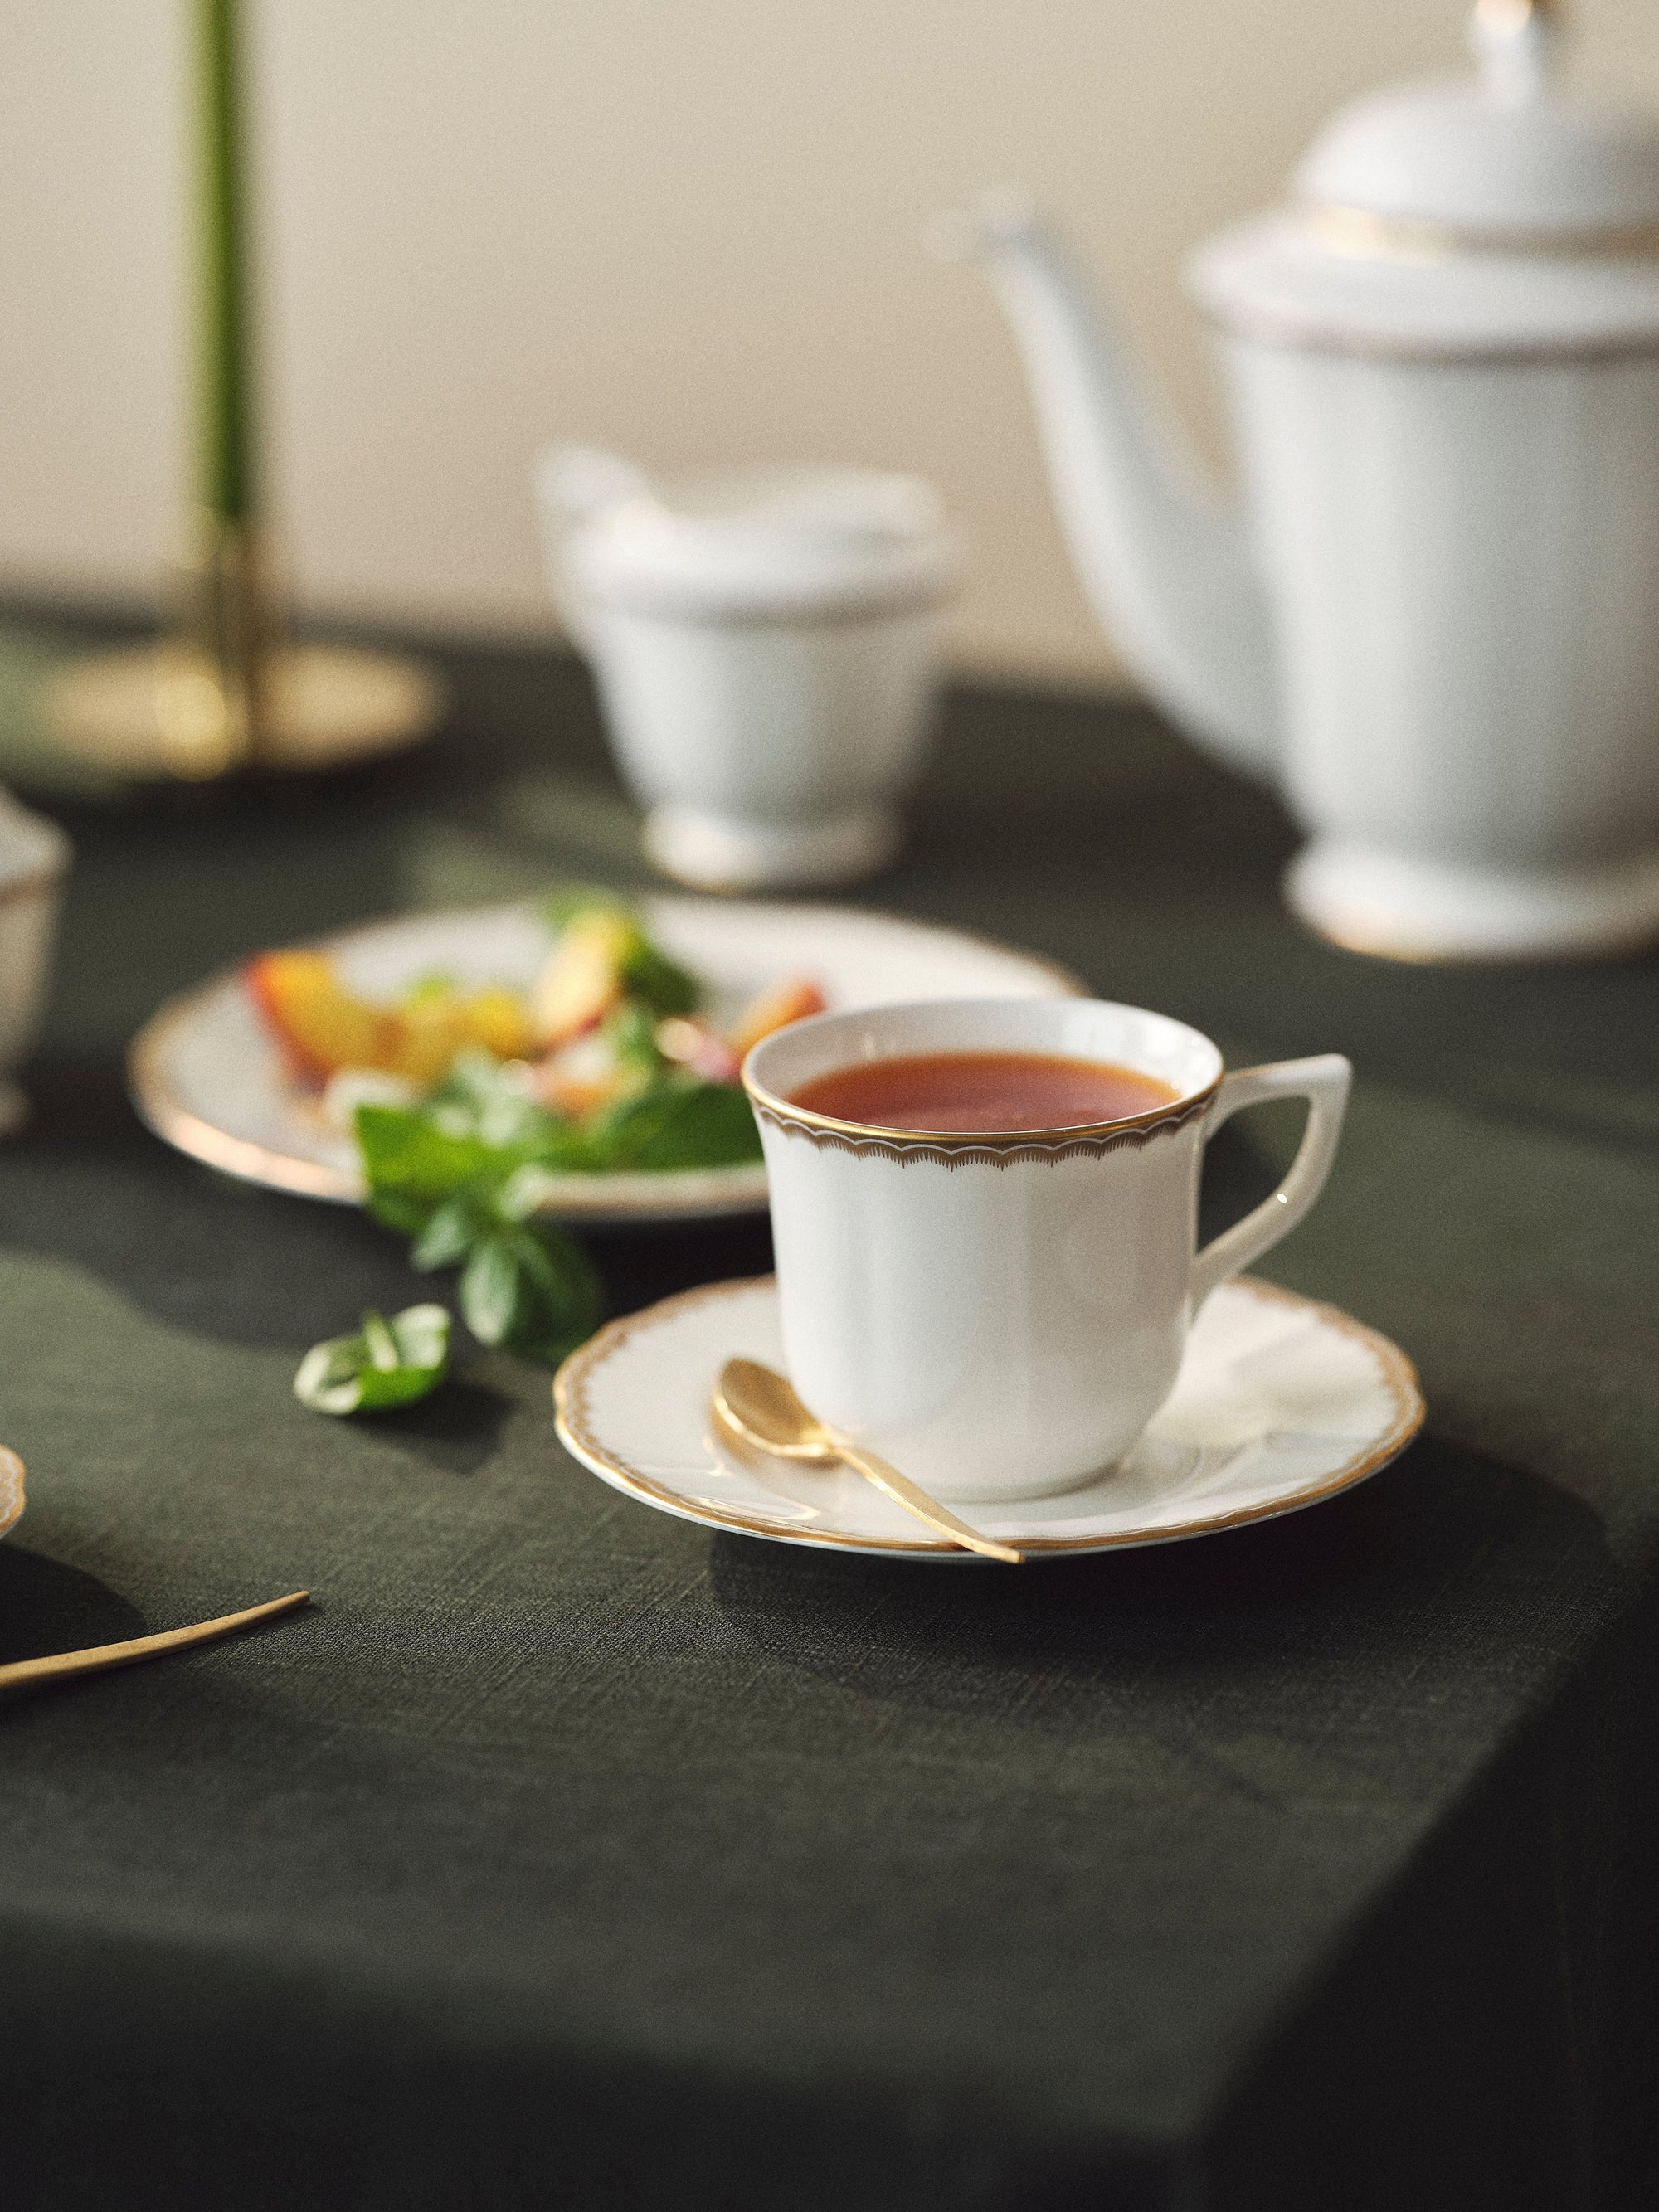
[(1513, 43)]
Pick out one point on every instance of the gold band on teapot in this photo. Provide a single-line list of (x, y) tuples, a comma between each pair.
[(1361, 234)]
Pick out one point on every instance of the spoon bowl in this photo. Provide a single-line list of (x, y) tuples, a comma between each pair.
[(757, 1404)]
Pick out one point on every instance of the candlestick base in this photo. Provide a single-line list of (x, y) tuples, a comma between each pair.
[(223, 690), (152, 713)]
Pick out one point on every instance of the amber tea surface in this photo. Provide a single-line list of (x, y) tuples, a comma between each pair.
[(963, 1093)]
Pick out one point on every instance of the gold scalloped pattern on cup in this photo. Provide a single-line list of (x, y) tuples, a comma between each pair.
[(1040, 1148)]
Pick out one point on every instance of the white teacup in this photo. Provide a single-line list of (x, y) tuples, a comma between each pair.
[(1000, 1316)]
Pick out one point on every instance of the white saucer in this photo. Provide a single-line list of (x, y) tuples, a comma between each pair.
[(1281, 1402), (206, 1076), (11, 1490)]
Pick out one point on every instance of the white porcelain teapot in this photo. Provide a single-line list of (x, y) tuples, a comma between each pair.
[(1434, 615)]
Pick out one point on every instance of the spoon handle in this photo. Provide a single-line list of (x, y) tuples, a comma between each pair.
[(97, 1658), (902, 1491)]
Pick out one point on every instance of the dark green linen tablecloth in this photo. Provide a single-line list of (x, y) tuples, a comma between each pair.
[(566, 1855)]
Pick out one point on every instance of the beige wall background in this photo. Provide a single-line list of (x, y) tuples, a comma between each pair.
[(688, 227)]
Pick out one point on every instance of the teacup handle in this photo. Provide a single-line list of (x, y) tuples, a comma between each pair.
[(1323, 1082)]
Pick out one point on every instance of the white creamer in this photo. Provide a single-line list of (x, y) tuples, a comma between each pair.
[(764, 642)]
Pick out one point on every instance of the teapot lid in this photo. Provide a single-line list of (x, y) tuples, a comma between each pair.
[(1494, 212), (1506, 153), (770, 543)]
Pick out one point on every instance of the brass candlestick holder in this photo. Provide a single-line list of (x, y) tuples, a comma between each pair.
[(223, 692)]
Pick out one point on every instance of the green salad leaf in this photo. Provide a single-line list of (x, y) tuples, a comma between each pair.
[(411, 1164), (464, 1202), (466, 1173), (679, 1123), (389, 1362), (476, 1133), (663, 984), (531, 1288)]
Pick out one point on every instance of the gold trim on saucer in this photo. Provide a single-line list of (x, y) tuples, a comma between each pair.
[(574, 1423)]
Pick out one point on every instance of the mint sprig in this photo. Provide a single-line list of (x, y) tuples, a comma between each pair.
[(388, 1363), (525, 1284)]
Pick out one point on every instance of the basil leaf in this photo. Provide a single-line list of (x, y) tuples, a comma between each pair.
[(411, 1167), (529, 1187), (489, 1099), (450, 1233), (491, 1291), (566, 1300), (664, 986), (533, 1290), (388, 1363), (680, 1124), (631, 1034)]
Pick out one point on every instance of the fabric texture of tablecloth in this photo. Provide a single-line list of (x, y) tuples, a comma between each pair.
[(564, 1854)]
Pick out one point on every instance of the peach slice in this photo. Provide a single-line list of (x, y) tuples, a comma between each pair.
[(498, 1021), (585, 977), (427, 1032), (679, 1038), (423, 1038), (773, 1009), (319, 1025), (322, 1027)]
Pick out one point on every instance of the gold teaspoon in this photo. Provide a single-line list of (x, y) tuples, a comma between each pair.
[(760, 1406), (98, 1657)]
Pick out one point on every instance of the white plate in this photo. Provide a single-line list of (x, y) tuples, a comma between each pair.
[(1279, 1402), (11, 1490), (206, 1076)]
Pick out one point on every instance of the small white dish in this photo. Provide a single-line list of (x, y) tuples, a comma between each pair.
[(34, 858), (1281, 1402), (11, 1490), (206, 1076)]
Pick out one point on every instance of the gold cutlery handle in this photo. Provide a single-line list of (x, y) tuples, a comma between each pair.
[(902, 1491), (97, 1658)]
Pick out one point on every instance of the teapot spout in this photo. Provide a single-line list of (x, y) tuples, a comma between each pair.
[(1164, 559)]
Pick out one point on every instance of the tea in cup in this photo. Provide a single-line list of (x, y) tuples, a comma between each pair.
[(985, 1215)]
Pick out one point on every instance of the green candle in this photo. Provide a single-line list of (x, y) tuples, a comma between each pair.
[(225, 424)]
